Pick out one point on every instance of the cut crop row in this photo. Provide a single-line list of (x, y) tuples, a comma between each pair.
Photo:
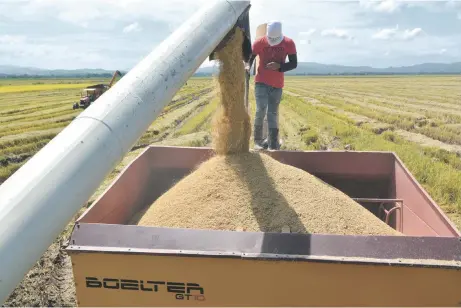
[(442, 181)]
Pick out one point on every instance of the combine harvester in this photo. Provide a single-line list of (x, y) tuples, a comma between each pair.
[(92, 93), (116, 264)]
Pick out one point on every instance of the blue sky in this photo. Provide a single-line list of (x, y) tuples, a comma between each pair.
[(116, 34)]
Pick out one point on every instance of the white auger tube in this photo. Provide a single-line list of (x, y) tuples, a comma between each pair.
[(39, 200)]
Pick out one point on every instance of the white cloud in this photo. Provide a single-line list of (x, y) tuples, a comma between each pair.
[(442, 51), (84, 11), (134, 27), (338, 33), (383, 6), (12, 39), (411, 34), (307, 15), (453, 4), (80, 17), (308, 32), (393, 33), (63, 33), (385, 34), (388, 6), (387, 53)]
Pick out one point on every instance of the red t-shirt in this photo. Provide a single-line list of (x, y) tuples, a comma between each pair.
[(267, 54)]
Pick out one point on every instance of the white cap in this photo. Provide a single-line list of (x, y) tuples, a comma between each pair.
[(274, 33)]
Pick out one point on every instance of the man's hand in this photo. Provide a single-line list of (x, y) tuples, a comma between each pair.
[(247, 68), (273, 66)]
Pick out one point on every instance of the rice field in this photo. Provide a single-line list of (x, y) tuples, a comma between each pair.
[(417, 117)]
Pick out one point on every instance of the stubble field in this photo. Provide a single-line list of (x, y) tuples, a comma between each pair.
[(418, 117)]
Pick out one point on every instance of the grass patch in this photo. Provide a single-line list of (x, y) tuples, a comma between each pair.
[(167, 123), (431, 129), (49, 114), (198, 142), (52, 123), (390, 136), (6, 145), (310, 137), (41, 87), (198, 120), (25, 148), (443, 156), (6, 172), (442, 181), (185, 100)]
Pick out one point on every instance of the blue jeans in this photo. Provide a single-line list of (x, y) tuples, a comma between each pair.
[(267, 100)]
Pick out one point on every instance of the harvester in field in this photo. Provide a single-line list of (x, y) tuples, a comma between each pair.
[(92, 93), (118, 264)]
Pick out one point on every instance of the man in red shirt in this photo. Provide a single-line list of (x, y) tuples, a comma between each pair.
[(272, 49)]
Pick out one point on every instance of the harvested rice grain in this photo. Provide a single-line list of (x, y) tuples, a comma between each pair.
[(257, 193), (231, 127)]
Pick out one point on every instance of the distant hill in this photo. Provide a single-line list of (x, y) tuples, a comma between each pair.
[(304, 68), (18, 71), (312, 68)]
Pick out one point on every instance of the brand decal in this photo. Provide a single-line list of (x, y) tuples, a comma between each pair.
[(180, 290)]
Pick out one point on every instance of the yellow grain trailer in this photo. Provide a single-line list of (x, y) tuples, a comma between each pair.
[(118, 264)]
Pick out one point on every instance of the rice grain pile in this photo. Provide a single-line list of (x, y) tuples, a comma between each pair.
[(255, 192), (240, 190)]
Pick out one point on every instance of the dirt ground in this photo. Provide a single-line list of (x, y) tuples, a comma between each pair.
[(50, 282)]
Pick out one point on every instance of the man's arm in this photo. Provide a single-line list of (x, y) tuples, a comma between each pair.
[(291, 65)]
